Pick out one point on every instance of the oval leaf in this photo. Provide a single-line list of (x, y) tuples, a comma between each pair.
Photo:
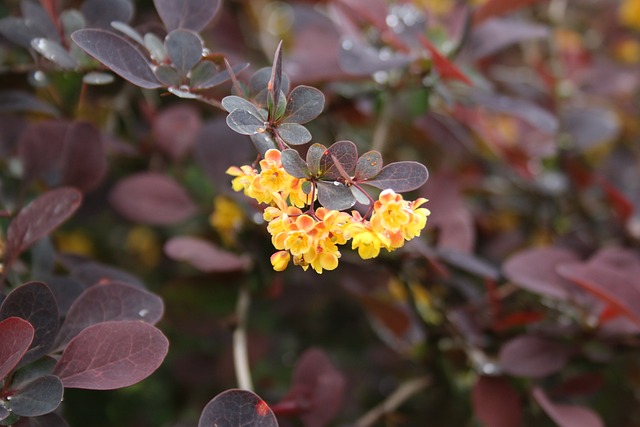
[(334, 195), (368, 165), (175, 129), (39, 218), (293, 164), (38, 397), (245, 123), (567, 415), (15, 335), (304, 104), (152, 198), (533, 356), (294, 134), (400, 177), (54, 52), (184, 48), (189, 14), (204, 256), (234, 408), (109, 302), (345, 154), (233, 102), (118, 54), (35, 303), (101, 13), (112, 355), (314, 154), (496, 403)]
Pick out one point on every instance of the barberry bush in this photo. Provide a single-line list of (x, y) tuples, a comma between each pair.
[(319, 212)]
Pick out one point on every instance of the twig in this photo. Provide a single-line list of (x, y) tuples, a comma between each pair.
[(395, 399), (240, 351), (381, 131)]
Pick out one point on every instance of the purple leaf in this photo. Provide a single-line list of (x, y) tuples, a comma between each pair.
[(204, 256), (535, 270), (360, 59), (567, 415), (184, 48), (89, 272), (17, 101), (205, 75), (343, 152), (39, 218), (259, 83), (293, 133), (34, 303), (15, 335), (368, 165), (234, 408), (334, 195), (112, 355), (317, 389), (245, 123), (304, 104), (16, 30), (118, 54), (109, 302), (175, 129), (496, 402), (590, 126), (468, 262), (101, 13), (54, 52), (293, 164), (497, 34), (152, 198), (37, 18), (192, 15), (38, 397), (400, 177), (274, 87), (533, 356), (314, 154)]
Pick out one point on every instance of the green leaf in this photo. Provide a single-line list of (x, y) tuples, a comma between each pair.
[(244, 122), (368, 166), (343, 152), (184, 48), (305, 103), (400, 176), (293, 164), (335, 195), (314, 154), (294, 134), (275, 82)]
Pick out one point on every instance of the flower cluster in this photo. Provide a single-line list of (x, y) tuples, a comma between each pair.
[(312, 238)]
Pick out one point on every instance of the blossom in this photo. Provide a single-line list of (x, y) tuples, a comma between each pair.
[(629, 13), (227, 218)]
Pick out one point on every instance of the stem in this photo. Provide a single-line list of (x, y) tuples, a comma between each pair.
[(395, 399), (240, 351), (382, 128)]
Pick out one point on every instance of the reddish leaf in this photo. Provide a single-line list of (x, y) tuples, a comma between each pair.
[(343, 152), (204, 255), (175, 130), (39, 218), (580, 385), (496, 402), (535, 270), (400, 176), (317, 390), (189, 14), (15, 335), (233, 408), (304, 104), (34, 303), (567, 415), (446, 69), (533, 356), (111, 355), (152, 198), (497, 34), (109, 301), (499, 7)]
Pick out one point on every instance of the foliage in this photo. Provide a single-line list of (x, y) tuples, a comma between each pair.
[(154, 155)]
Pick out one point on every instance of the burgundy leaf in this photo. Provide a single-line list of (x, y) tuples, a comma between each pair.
[(39, 218), (34, 303), (294, 134), (368, 165), (590, 126), (343, 152), (497, 34), (314, 154), (293, 164), (101, 13), (17, 101), (245, 123), (16, 335), (89, 272), (304, 104), (496, 402), (317, 390), (534, 269), (184, 48), (274, 87), (152, 198), (118, 54), (400, 177), (234, 408), (533, 356), (192, 15), (334, 195), (39, 397), (112, 355), (360, 59), (204, 255), (106, 302), (175, 130), (567, 415)]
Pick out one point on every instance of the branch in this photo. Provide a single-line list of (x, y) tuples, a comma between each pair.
[(240, 351), (395, 399)]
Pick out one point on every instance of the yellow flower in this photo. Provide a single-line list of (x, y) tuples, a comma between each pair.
[(629, 14), (418, 220), (143, 244), (226, 219), (391, 211), (280, 260), (366, 240), (299, 239)]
